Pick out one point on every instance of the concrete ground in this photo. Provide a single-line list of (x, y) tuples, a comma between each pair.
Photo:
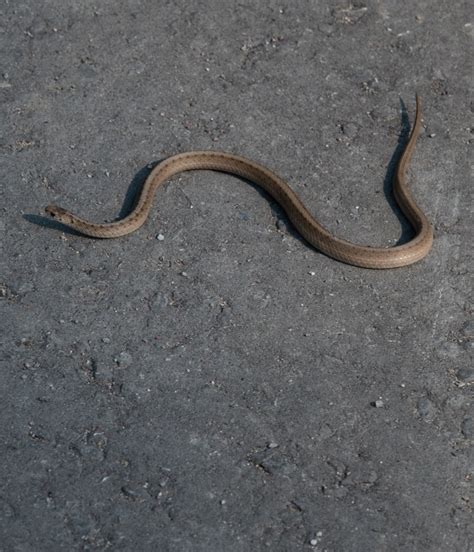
[(211, 382)]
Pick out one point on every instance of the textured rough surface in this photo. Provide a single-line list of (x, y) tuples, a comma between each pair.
[(211, 383)]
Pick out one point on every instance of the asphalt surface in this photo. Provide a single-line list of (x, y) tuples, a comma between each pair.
[(211, 382)]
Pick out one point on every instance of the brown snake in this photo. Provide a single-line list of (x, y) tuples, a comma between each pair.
[(304, 222)]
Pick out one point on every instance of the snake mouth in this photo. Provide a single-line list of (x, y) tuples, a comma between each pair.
[(55, 212), (59, 214)]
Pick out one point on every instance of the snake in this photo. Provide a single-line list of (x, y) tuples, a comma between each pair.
[(310, 229)]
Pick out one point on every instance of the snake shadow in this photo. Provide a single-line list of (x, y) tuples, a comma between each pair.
[(406, 228), (132, 194), (404, 134)]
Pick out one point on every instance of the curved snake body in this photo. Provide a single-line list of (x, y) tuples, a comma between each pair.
[(304, 222)]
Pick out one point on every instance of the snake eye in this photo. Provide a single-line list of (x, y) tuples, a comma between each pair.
[(52, 211)]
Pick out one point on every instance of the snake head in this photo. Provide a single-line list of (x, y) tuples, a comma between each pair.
[(58, 213)]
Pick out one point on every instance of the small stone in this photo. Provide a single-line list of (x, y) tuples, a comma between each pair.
[(450, 350), (273, 462), (272, 445), (459, 401), (467, 428), (313, 542), (378, 403), (349, 129), (426, 409), (124, 359), (160, 237), (468, 329), (105, 340), (326, 29), (465, 375)]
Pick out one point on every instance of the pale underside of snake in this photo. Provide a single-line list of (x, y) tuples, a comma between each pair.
[(303, 221)]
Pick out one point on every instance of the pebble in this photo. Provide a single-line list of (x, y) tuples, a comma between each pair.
[(426, 408), (314, 538), (160, 237), (282, 225), (465, 375), (459, 401), (378, 403), (124, 359), (468, 329), (3, 290), (450, 350), (349, 129), (326, 29)]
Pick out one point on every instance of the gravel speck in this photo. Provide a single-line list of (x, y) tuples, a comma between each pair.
[(282, 225)]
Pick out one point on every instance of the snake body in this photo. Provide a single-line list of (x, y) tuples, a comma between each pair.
[(304, 222)]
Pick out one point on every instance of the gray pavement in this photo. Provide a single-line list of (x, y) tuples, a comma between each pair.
[(211, 382)]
